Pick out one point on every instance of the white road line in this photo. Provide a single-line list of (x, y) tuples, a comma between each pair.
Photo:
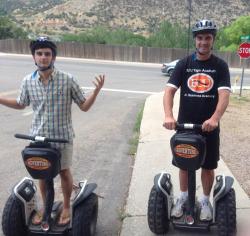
[(30, 112), (27, 113), (7, 93), (122, 90)]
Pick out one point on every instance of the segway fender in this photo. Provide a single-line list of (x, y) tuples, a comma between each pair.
[(162, 182), (156, 179), (84, 193), (229, 183), (223, 186), (25, 192)]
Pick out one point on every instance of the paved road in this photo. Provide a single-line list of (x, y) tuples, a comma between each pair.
[(102, 134)]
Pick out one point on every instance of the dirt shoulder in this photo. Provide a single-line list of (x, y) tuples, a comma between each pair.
[(235, 138)]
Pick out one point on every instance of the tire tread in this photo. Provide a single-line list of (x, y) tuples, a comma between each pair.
[(83, 216), (226, 214), (12, 218), (158, 221)]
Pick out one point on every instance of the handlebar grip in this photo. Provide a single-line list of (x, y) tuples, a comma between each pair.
[(24, 136), (188, 126), (41, 139), (54, 140)]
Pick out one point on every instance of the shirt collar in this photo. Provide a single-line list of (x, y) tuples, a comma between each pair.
[(36, 75), (194, 57)]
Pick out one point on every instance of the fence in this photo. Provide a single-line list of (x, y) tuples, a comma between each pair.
[(115, 52)]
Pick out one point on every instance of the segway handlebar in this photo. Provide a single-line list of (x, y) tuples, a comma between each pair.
[(41, 139), (188, 126)]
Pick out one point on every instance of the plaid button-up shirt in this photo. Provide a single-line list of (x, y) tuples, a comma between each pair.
[(51, 103)]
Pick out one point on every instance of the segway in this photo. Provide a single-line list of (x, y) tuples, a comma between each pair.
[(43, 162), (189, 149)]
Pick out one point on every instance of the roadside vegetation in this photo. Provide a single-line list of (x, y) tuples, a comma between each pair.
[(228, 38), (244, 99), (167, 35), (136, 133), (8, 29)]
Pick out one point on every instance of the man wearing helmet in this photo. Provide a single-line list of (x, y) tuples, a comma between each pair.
[(51, 92), (204, 83)]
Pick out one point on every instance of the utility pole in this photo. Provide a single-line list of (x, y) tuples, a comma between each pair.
[(189, 21)]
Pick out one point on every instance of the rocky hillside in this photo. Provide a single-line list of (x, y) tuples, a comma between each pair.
[(141, 16)]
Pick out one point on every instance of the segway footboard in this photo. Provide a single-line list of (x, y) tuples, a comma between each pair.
[(183, 222)]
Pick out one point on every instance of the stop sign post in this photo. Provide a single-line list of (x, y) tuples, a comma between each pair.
[(244, 53)]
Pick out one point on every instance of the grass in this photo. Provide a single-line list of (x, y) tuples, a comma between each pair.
[(122, 214), (136, 133), (235, 98)]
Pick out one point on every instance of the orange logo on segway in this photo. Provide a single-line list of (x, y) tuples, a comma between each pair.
[(37, 163), (186, 151), (200, 83)]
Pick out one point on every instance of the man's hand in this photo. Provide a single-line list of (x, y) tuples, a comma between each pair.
[(169, 123), (209, 125), (98, 82)]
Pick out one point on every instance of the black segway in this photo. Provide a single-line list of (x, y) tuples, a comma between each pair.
[(43, 162), (189, 149)]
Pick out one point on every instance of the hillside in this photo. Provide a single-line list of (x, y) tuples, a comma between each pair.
[(140, 16)]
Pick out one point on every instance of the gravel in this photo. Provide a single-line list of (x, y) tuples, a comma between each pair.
[(235, 138)]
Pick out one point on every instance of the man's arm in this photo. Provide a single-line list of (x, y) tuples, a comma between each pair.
[(221, 107), (168, 102), (12, 103), (99, 81)]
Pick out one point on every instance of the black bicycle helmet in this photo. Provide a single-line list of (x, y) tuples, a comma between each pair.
[(43, 42), (204, 26)]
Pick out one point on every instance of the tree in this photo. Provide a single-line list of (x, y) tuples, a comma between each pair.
[(103, 35), (125, 37), (228, 39), (169, 36), (9, 30)]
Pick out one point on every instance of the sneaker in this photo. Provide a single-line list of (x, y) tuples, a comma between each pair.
[(206, 211), (177, 210)]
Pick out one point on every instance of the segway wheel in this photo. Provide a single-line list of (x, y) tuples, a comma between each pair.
[(85, 217), (158, 221), (226, 214), (13, 223)]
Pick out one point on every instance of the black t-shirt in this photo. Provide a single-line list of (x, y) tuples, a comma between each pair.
[(199, 82)]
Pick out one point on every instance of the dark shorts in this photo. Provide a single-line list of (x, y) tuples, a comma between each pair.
[(213, 149)]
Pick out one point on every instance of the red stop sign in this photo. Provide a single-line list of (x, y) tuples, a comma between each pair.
[(244, 50)]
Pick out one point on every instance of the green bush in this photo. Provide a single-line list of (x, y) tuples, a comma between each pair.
[(9, 29), (169, 36), (228, 38)]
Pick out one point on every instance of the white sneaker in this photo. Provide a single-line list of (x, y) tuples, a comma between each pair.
[(177, 210), (206, 211)]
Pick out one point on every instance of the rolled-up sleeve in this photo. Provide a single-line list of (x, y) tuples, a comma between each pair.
[(77, 92)]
